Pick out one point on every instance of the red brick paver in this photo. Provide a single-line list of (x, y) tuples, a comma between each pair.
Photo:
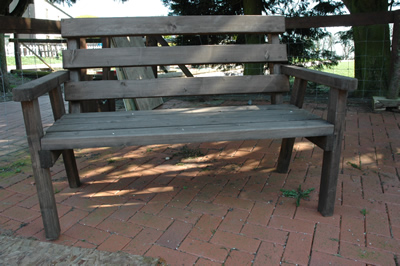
[(224, 208)]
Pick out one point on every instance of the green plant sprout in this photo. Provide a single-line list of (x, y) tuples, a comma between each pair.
[(297, 194), (355, 165)]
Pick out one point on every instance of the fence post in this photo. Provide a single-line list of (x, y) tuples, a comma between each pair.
[(17, 52)]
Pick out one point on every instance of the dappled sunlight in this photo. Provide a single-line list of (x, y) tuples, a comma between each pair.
[(369, 158), (303, 146), (127, 204), (154, 190)]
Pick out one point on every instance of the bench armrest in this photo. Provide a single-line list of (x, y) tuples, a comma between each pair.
[(331, 80), (35, 88)]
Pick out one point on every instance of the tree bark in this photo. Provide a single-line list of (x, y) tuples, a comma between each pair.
[(253, 7), (394, 87), (371, 50), (5, 84)]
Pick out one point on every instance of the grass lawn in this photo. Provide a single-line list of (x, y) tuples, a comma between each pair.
[(33, 60), (345, 68)]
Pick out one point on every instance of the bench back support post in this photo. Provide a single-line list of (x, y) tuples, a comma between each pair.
[(297, 98)]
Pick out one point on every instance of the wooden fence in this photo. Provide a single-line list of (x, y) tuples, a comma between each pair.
[(39, 26)]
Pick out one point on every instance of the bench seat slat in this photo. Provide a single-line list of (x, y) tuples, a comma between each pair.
[(134, 122), (174, 55), (172, 25), (191, 110), (123, 89), (180, 127)]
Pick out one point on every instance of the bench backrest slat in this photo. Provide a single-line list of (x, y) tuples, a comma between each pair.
[(147, 56), (165, 87), (75, 59), (172, 25)]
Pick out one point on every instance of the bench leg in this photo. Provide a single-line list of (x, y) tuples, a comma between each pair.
[(285, 155), (331, 161), (71, 168), (47, 202), (44, 186), (329, 178)]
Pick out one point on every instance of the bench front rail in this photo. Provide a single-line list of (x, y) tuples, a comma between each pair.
[(106, 129)]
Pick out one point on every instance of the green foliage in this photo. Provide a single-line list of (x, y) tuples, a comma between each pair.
[(297, 194), (32, 60), (301, 42), (355, 165), (364, 212)]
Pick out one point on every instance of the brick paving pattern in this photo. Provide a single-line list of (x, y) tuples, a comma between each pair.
[(224, 207)]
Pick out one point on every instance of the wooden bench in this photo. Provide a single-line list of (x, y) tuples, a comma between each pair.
[(105, 129)]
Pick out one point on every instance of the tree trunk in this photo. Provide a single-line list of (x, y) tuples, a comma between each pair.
[(253, 7), (394, 87), (4, 82), (371, 50)]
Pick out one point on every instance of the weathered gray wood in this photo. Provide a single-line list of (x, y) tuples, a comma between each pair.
[(71, 168), (171, 135), (192, 110), (34, 132), (57, 104), (48, 158), (17, 53), (171, 25), (323, 142), (327, 79), (174, 55), (35, 88), (177, 126), (162, 120), (298, 92), (297, 99), (75, 75), (135, 73), (331, 159), (175, 87), (10, 24)]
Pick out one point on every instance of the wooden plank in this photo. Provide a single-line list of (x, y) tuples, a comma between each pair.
[(331, 159), (175, 87), (184, 112), (157, 122), (170, 135), (363, 19), (328, 79), (193, 110), (298, 92), (48, 158), (176, 55), (29, 25), (134, 73), (44, 186), (75, 75), (171, 25), (35, 88)]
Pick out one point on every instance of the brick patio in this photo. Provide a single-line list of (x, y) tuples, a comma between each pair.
[(222, 207)]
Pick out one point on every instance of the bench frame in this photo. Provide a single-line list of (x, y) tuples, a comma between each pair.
[(42, 159)]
